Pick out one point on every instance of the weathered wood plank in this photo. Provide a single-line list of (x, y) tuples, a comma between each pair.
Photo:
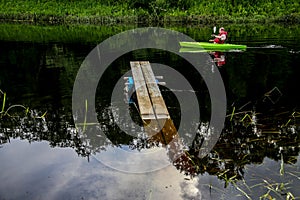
[(157, 122), (156, 119), (158, 103), (145, 105)]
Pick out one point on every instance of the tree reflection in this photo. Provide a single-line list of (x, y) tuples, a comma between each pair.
[(243, 143), (55, 127), (248, 138)]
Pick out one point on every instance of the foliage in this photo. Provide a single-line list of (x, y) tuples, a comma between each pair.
[(148, 10)]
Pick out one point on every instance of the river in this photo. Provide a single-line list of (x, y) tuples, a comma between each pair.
[(43, 155)]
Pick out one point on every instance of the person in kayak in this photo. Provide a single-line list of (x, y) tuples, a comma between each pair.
[(221, 37)]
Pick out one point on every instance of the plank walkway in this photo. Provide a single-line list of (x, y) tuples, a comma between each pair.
[(154, 113), (150, 100), (152, 107)]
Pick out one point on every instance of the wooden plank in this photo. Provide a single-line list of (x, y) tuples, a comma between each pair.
[(158, 103), (156, 119), (143, 98), (157, 122)]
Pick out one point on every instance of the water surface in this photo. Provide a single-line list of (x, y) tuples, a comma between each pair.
[(42, 154)]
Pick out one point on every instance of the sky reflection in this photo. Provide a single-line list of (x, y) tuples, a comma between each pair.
[(58, 173)]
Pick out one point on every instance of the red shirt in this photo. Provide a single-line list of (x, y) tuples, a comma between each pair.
[(218, 40)]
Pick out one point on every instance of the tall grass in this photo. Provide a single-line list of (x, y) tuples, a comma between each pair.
[(63, 8), (55, 11), (99, 11), (59, 33)]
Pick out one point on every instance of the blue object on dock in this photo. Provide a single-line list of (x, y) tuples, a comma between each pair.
[(130, 86), (130, 89), (130, 83)]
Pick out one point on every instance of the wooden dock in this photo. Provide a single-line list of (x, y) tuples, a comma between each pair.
[(150, 100), (154, 113), (153, 110)]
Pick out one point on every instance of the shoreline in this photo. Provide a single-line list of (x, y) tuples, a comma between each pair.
[(90, 33), (144, 19)]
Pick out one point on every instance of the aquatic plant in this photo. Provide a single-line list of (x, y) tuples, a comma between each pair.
[(26, 110), (3, 101)]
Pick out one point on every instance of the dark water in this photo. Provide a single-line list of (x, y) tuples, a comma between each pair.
[(43, 156)]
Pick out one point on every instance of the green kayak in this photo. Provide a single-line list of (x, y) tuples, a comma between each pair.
[(212, 46), (200, 50)]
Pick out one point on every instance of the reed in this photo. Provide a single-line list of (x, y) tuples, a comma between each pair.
[(6, 112), (3, 101)]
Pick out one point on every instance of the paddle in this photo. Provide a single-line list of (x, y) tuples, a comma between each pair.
[(214, 31)]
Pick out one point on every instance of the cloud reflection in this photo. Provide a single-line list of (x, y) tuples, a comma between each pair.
[(58, 173)]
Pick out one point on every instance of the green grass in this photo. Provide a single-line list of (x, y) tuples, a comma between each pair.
[(59, 33), (108, 11), (95, 34), (64, 12), (64, 8)]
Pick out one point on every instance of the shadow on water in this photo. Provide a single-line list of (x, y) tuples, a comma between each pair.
[(258, 150)]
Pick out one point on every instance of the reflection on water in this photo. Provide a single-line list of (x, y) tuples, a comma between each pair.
[(240, 154), (43, 156), (219, 58)]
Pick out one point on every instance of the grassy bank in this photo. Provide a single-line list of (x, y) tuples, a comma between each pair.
[(129, 11), (93, 34)]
